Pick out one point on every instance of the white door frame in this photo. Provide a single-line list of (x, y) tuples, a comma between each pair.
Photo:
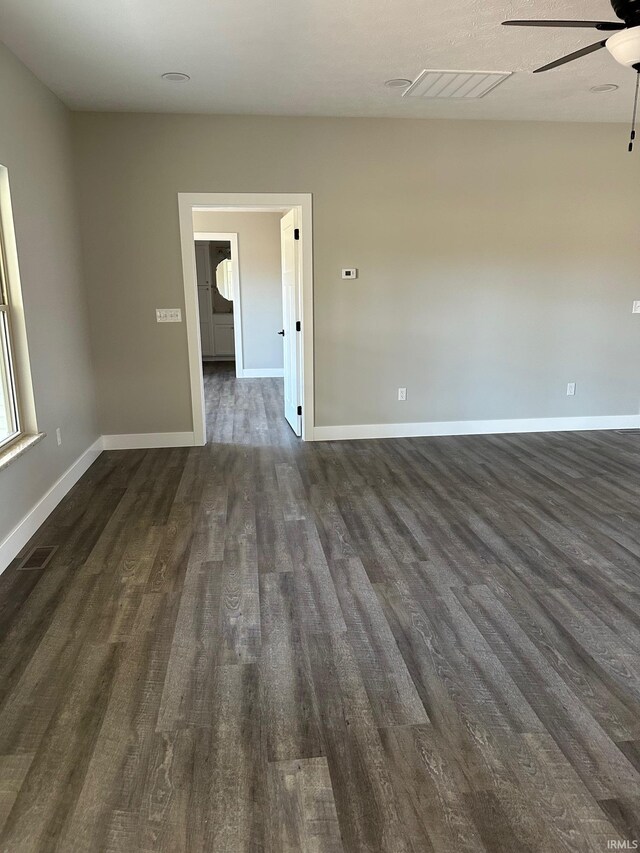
[(231, 237), (245, 203)]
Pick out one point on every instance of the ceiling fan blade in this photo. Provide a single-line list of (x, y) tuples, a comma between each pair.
[(596, 25), (571, 56)]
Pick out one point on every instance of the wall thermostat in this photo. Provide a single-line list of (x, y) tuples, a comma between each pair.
[(353, 273)]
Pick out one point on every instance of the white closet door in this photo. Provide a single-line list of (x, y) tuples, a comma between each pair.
[(206, 340), (203, 264), (205, 305), (224, 340), (206, 321)]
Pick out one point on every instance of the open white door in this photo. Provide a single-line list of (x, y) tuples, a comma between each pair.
[(290, 234)]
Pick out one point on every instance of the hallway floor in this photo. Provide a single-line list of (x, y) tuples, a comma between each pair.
[(264, 645)]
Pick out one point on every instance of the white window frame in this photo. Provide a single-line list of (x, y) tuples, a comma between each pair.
[(8, 383), (16, 352)]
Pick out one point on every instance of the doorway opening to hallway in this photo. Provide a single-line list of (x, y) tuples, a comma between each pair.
[(247, 268)]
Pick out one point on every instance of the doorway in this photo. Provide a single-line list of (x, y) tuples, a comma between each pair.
[(295, 213)]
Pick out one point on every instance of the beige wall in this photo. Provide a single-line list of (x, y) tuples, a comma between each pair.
[(260, 281), (498, 261), (35, 146)]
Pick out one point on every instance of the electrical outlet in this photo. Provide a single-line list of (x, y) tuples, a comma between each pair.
[(168, 315), (635, 308), (571, 389), (402, 394), (59, 436), (350, 273)]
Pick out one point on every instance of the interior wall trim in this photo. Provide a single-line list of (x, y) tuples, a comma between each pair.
[(434, 428), (261, 372), (145, 440)]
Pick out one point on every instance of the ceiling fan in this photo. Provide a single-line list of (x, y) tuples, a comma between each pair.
[(623, 45)]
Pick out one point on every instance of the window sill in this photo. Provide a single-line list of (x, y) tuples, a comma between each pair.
[(15, 450)]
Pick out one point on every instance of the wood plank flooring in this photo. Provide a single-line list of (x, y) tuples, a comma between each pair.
[(409, 646)]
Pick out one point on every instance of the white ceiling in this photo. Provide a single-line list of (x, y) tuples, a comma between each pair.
[(312, 57)]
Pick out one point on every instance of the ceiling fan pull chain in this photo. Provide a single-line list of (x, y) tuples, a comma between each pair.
[(635, 111)]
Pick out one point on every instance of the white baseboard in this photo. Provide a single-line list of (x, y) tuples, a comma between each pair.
[(260, 372), (24, 530), (355, 431), (144, 440)]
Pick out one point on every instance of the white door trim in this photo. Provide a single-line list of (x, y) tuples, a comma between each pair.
[(245, 202), (232, 237)]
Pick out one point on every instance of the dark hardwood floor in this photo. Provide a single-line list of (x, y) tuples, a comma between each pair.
[(263, 645)]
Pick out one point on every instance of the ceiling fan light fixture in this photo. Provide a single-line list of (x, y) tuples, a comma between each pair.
[(624, 46)]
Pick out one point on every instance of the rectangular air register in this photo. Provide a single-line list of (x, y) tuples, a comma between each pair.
[(38, 557), (455, 84)]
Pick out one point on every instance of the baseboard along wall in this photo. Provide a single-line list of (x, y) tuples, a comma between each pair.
[(261, 373), (147, 440), (434, 428)]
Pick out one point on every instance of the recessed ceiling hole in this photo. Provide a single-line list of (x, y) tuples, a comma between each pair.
[(175, 76), (398, 83)]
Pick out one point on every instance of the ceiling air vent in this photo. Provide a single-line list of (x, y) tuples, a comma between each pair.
[(455, 84)]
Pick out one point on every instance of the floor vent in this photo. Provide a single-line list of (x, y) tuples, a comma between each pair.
[(455, 84), (38, 557)]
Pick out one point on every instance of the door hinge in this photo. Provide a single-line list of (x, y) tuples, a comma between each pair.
[(298, 326), (296, 233), (299, 410)]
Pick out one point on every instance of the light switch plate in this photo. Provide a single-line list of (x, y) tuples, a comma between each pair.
[(635, 308), (168, 315), (350, 273), (571, 389)]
